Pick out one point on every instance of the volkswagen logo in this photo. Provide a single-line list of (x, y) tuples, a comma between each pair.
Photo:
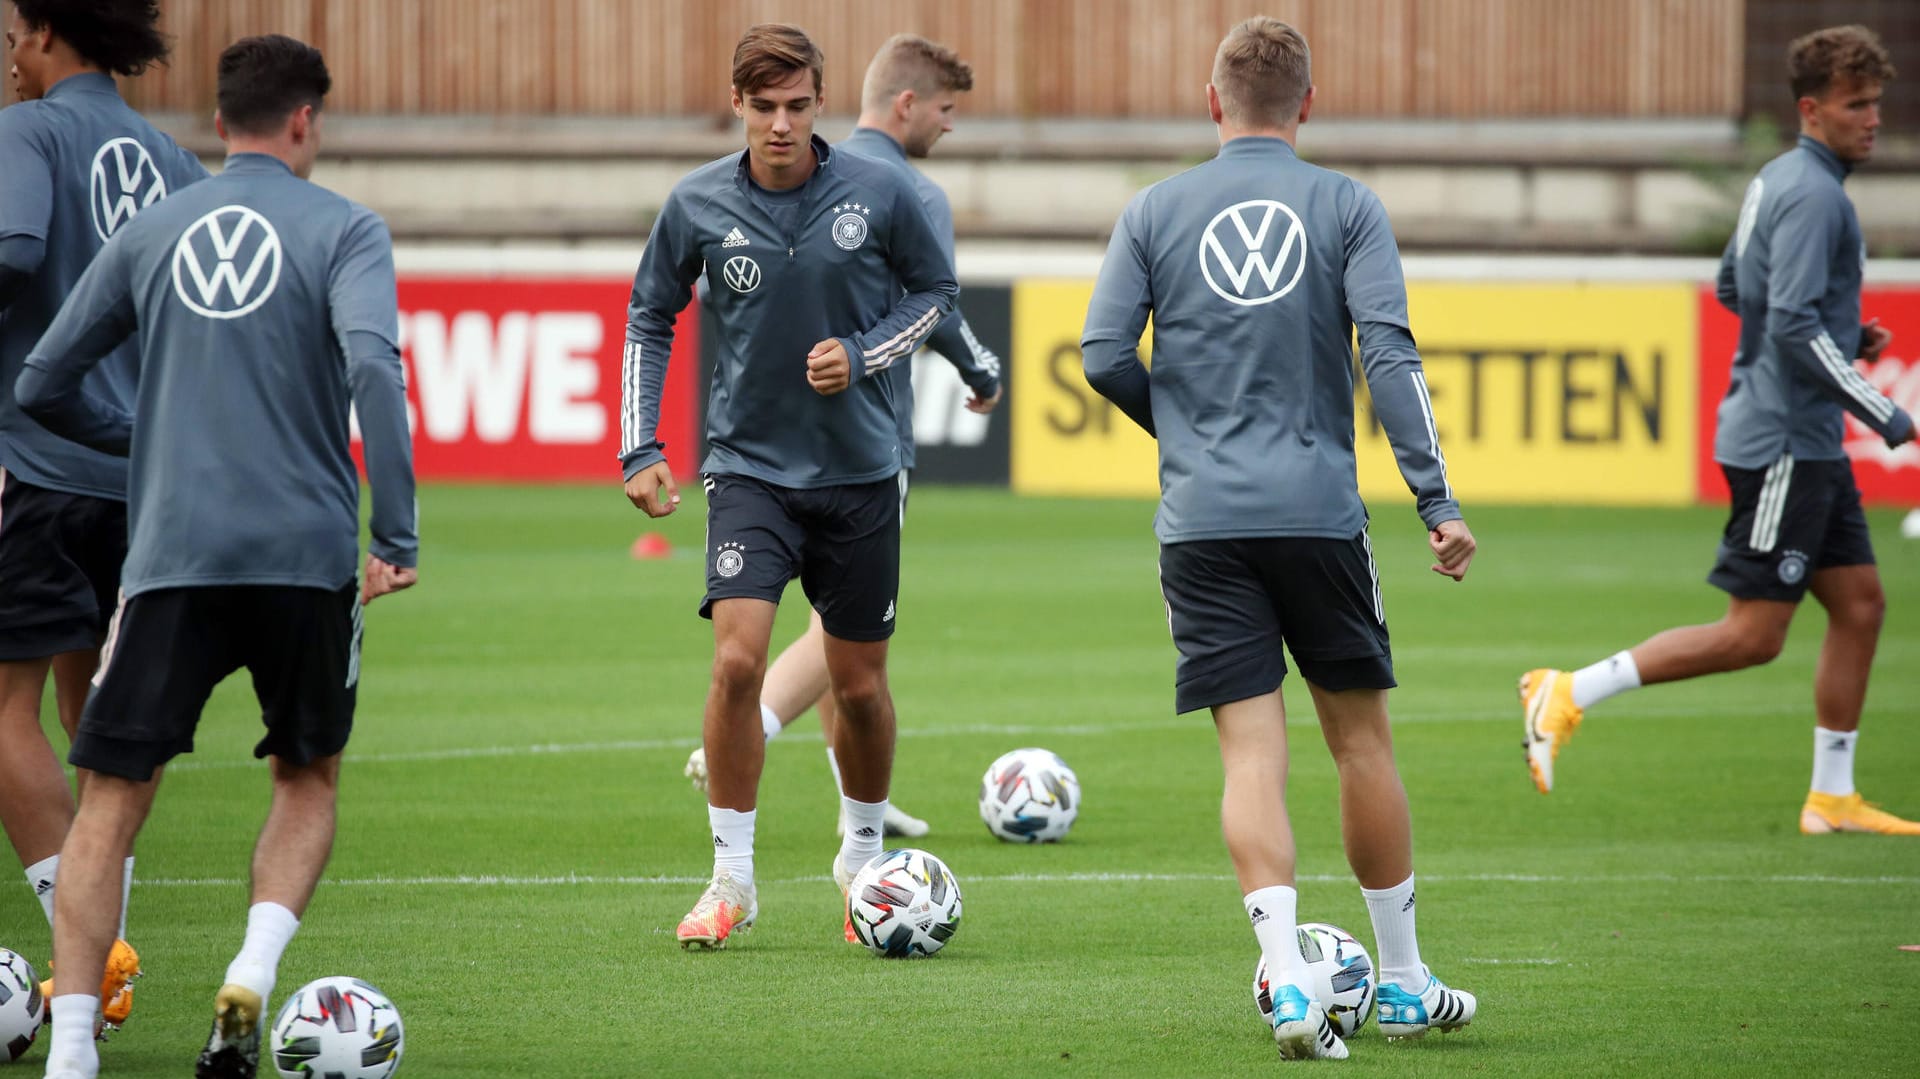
[(1253, 244), (742, 273), (124, 182), (227, 263)]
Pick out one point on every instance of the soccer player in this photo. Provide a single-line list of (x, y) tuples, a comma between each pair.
[(1791, 272), (807, 251), (264, 307), (911, 91), (75, 164), (1255, 269)]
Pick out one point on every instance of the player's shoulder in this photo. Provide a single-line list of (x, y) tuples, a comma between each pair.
[(711, 182), (854, 167), (31, 122)]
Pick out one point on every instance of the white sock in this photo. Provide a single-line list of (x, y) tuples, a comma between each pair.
[(126, 896), (770, 721), (1615, 674), (270, 928), (40, 874), (866, 827), (72, 1047), (833, 765), (1833, 761), (733, 842), (1273, 911), (1397, 948)]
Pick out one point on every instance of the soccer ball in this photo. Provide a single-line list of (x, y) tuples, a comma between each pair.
[(21, 1007), (1029, 796), (904, 903), (1342, 977), (339, 1028)]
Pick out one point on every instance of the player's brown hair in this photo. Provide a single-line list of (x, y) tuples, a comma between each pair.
[(1262, 71), (1850, 53), (771, 52), (911, 62)]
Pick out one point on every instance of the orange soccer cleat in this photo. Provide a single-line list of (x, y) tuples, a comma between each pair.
[(1827, 813), (724, 909), (1551, 716)]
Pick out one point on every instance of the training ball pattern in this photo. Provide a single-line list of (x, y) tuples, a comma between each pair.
[(337, 1028), (904, 903), (1029, 796), (1341, 973), (21, 1007)]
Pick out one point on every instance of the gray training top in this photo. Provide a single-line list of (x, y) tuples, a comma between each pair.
[(1792, 272), (979, 368), (860, 238), (262, 306), (75, 166), (1255, 268)]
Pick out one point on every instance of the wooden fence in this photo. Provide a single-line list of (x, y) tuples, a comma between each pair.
[(1086, 58)]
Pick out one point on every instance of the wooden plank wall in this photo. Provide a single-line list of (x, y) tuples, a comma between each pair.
[(1091, 58)]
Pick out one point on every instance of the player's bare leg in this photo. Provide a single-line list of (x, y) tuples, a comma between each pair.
[(863, 739), (736, 750), (36, 806), (1856, 606), (87, 911), (1377, 829), (1554, 702)]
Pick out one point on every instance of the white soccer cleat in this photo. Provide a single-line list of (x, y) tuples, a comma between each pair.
[(1404, 1014), (696, 770), (1300, 1027)]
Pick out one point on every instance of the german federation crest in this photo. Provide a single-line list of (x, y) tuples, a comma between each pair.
[(124, 181), (227, 263), (850, 228), (1253, 252)]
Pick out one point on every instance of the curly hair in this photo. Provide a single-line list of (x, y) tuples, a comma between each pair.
[(1852, 53), (120, 36)]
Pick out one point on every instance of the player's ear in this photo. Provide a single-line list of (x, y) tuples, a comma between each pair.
[(1306, 105), (1213, 105), (220, 125), (738, 104), (300, 124), (903, 103)]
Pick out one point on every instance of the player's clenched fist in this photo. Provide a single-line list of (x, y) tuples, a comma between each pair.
[(653, 490), (828, 370), (1453, 545)]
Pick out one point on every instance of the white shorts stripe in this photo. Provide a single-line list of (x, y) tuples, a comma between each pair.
[(1771, 504), (1379, 606), (113, 638), (359, 627)]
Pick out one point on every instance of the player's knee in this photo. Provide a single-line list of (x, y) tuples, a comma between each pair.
[(738, 669), (1759, 647), (861, 696), (1863, 613)]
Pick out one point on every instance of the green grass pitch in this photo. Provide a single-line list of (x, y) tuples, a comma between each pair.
[(517, 843)]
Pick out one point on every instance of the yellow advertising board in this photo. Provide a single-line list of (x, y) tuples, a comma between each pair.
[(1541, 393)]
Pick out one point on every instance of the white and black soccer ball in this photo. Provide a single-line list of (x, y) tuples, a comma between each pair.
[(1029, 796), (337, 1028), (1342, 977), (22, 1008), (904, 903)]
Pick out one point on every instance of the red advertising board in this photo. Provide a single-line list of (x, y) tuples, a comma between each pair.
[(1887, 477), (519, 378)]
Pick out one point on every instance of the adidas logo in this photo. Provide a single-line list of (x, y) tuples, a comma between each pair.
[(888, 617), (734, 239), (1408, 905), (1257, 915), (43, 886), (718, 842), (866, 833)]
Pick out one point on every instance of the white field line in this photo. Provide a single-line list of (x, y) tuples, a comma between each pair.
[(1299, 718), (595, 880), (1515, 962)]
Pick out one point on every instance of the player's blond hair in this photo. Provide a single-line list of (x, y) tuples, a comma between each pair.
[(771, 52), (1851, 53), (911, 62), (1262, 72)]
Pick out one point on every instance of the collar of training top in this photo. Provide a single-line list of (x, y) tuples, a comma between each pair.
[(87, 82), (1253, 145), (1825, 155), (821, 152), (872, 138), (253, 162)]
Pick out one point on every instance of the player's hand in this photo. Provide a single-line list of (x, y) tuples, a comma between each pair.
[(1453, 545), (976, 404), (382, 577), (653, 490), (828, 370), (1874, 339)]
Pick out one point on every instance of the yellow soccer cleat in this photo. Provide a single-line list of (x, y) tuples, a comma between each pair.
[(1551, 715), (725, 908), (233, 1047), (1827, 813)]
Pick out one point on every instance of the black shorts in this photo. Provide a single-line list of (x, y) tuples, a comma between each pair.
[(1787, 522), (1232, 603), (843, 543), (60, 557), (170, 647)]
